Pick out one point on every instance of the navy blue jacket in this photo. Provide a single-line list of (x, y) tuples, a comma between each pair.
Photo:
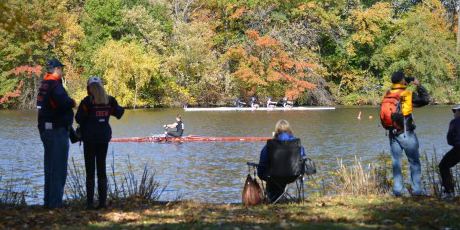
[(94, 119), (453, 135), (54, 104), (262, 171)]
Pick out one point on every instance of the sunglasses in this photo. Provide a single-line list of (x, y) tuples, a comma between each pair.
[(454, 110)]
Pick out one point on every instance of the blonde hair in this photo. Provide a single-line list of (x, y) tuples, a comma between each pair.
[(100, 95), (282, 126)]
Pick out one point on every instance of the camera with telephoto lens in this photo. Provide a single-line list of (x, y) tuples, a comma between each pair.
[(409, 79)]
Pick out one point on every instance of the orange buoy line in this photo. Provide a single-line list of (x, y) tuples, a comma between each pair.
[(188, 139)]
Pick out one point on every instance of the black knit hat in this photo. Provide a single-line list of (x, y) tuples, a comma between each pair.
[(397, 77)]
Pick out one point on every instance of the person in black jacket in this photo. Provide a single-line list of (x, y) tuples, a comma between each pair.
[(93, 115), (283, 142), (452, 157), (55, 116)]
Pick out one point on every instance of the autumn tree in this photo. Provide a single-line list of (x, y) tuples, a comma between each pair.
[(29, 32), (264, 69), (425, 48), (126, 68)]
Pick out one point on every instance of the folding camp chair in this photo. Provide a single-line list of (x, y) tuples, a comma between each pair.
[(282, 172)]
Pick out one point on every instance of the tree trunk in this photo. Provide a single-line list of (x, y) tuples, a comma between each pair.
[(135, 96)]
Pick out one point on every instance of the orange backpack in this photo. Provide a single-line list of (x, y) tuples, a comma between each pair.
[(391, 114)]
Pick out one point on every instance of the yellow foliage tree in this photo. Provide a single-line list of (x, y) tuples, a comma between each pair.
[(369, 24), (67, 49), (127, 68)]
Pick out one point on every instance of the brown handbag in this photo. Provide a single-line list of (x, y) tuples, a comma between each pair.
[(252, 193)]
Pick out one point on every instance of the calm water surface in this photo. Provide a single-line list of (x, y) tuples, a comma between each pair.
[(214, 172)]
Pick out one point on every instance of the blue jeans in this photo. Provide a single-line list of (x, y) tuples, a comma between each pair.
[(409, 143), (56, 144)]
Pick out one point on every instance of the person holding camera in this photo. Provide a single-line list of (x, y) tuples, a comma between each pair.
[(396, 116)]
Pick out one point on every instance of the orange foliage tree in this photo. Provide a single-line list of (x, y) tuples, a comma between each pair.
[(25, 92), (262, 68)]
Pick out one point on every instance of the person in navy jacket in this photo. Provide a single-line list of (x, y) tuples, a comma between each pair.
[(453, 156), (55, 116), (93, 116), (283, 132)]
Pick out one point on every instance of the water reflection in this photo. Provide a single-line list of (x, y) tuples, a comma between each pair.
[(214, 172)]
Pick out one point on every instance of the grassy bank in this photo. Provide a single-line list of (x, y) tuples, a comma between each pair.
[(337, 212), (355, 196)]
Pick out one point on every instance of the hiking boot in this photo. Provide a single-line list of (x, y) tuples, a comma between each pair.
[(89, 206), (101, 206)]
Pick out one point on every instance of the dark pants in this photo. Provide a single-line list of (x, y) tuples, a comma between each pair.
[(274, 190), (95, 155), (174, 134), (448, 161), (56, 144)]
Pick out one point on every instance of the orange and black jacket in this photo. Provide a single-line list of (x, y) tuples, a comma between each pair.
[(409, 100), (54, 104), (94, 119)]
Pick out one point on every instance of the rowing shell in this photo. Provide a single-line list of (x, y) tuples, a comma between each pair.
[(189, 139), (258, 109)]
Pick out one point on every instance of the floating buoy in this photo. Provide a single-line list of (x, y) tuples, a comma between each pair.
[(370, 117)]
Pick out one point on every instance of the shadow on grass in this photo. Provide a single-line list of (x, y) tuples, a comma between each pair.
[(346, 212)]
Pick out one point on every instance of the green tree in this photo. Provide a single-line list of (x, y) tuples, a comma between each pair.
[(101, 20), (126, 69), (425, 48)]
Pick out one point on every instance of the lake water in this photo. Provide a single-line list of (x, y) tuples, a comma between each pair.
[(215, 171)]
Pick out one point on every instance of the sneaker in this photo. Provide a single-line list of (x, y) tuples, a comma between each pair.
[(418, 194), (448, 196), (396, 194)]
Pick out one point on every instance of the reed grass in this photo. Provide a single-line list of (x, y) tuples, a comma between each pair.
[(12, 194), (129, 186), (376, 178), (121, 186), (357, 180)]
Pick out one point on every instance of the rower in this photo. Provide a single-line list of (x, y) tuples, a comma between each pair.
[(239, 103), (254, 103), (270, 103), (287, 103), (179, 125)]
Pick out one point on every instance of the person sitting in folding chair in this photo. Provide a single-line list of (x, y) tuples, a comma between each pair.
[(281, 162)]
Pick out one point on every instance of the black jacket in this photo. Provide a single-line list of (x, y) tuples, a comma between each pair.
[(453, 135), (54, 104), (94, 119), (420, 98)]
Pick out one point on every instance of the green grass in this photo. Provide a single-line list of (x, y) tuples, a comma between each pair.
[(340, 212)]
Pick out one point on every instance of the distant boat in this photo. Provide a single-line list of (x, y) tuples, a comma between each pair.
[(259, 109)]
